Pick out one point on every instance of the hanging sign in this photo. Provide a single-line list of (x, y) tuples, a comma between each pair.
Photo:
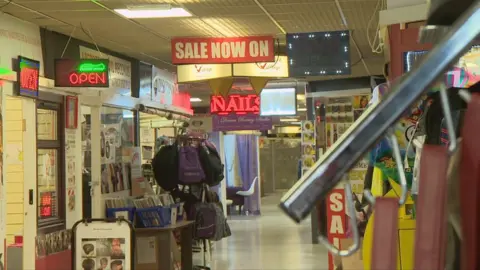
[(81, 73), (234, 122), (235, 104), (223, 50), (275, 69), (101, 244), (28, 77), (195, 73), (336, 222)]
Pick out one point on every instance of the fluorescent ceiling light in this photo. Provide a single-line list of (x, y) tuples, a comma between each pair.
[(153, 11), (288, 120), (301, 109), (195, 99)]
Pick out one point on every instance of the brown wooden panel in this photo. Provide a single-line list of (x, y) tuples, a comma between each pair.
[(470, 185), (431, 209), (385, 234)]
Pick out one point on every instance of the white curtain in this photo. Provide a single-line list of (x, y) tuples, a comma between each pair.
[(230, 148)]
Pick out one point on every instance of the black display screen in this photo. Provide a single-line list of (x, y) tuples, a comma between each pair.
[(319, 53)]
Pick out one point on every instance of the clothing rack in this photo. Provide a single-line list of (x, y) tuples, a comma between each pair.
[(374, 123), (431, 245)]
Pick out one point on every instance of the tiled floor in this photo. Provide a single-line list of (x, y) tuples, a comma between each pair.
[(269, 242)]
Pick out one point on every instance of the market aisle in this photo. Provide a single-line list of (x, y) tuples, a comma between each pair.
[(269, 242)]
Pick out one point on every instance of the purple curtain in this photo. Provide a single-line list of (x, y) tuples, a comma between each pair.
[(247, 156)]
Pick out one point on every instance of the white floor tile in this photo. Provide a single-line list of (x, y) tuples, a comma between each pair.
[(269, 242)]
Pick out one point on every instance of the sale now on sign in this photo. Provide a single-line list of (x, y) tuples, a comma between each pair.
[(223, 50)]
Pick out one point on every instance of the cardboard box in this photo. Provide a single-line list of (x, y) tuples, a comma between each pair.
[(355, 261)]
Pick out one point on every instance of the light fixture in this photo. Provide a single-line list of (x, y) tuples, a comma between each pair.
[(300, 97), (153, 11), (288, 120), (195, 99), (301, 109)]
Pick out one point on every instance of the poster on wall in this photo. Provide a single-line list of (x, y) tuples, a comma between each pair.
[(70, 163), (120, 71), (163, 86), (102, 245), (308, 145)]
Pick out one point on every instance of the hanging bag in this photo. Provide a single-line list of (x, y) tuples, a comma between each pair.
[(190, 169), (165, 167), (211, 164)]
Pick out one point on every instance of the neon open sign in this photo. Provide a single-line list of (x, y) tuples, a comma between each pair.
[(28, 77), (235, 104), (81, 73)]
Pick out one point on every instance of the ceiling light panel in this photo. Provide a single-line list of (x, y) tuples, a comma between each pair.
[(147, 13)]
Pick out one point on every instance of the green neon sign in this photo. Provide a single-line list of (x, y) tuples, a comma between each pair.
[(5, 71), (90, 67)]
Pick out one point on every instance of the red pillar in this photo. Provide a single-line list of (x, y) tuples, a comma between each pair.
[(402, 41)]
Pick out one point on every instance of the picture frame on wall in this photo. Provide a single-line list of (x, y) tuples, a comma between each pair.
[(71, 112)]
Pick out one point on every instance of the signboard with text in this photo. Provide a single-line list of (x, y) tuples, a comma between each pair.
[(223, 50), (276, 69), (336, 222), (235, 104), (28, 77), (234, 122), (119, 70), (81, 73), (195, 73)]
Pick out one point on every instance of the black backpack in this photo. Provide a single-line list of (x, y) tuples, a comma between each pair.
[(211, 163), (165, 167), (435, 128)]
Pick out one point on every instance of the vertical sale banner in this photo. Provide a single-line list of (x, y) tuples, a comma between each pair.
[(336, 221)]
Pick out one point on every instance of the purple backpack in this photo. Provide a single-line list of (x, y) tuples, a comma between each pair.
[(190, 169)]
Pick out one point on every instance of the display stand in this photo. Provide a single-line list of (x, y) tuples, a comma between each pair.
[(157, 250), (103, 242)]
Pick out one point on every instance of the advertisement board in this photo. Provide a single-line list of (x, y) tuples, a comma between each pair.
[(216, 50)]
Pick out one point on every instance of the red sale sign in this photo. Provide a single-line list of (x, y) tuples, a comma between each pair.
[(336, 223), (223, 50)]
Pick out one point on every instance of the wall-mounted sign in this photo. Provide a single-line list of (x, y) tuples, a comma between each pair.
[(235, 104), (278, 68), (223, 50), (195, 73), (46, 204), (234, 122), (200, 124), (28, 76), (81, 73)]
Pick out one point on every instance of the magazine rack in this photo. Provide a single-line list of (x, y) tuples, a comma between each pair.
[(98, 242)]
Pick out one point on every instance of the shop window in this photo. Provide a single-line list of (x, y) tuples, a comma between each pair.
[(50, 187), (117, 139)]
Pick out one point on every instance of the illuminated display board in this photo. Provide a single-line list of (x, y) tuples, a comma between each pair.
[(235, 104), (81, 73), (46, 204), (28, 76)]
